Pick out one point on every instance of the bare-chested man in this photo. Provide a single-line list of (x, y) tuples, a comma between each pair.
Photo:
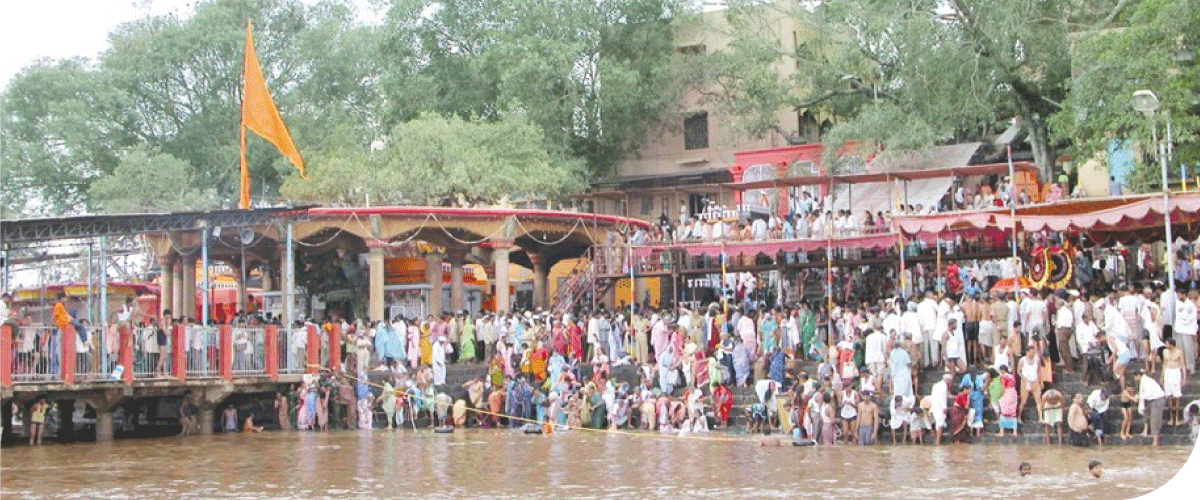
[(1174, 377), (868, 420), (1052, 407), (1077, 422), (972, 314)]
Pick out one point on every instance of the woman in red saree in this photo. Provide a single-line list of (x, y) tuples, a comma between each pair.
[(559, 338), (722, 401), (574, 341), (537, 362), (959, 432), (700, 368)]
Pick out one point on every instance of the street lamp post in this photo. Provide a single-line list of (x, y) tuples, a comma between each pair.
[(1145, 102)]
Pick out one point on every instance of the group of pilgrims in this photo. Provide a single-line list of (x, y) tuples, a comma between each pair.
[(554, 371)]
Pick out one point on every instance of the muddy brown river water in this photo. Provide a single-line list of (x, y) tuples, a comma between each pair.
[(499, 463)]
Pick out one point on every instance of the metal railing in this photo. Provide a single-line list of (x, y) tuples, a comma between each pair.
[(36, 354), (293, 350), (248, 350), (203, 351), (31, 354), (152, 353), (88, 357)]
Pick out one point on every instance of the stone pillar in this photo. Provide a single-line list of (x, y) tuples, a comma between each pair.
[(282, 266), (267, 283), (241, 286), (540, 280), (177, 288), (188, 300), (7, 437), (166, 284), (376, 278), (500, 260), (433, 268), (104, 425), (66, 421), (457, 258), (205, 419)]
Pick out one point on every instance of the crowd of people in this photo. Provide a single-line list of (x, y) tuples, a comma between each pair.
[(999, 355)]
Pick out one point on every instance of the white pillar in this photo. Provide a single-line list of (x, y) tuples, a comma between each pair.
[(500, 258), (433, 269), (376, 277), (457, 258)]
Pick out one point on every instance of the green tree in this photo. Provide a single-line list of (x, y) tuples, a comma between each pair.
[(439, 160), (173, 85), (145, 181), (914, 73), (594, 76), (1149, 49)]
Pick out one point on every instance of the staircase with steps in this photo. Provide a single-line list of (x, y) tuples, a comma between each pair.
[(1030, 431)]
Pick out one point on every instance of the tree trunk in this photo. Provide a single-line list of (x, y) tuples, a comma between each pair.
[(1039, 142), (1042, 155)]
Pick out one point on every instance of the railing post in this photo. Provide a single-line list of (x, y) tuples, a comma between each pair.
[(6, 351), (126, 352), (179, 352), (271, 352), (66, 347), (335, 348), (225, 340), (313, 351)]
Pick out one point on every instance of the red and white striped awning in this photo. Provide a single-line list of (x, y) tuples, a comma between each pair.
[(1125, 218)]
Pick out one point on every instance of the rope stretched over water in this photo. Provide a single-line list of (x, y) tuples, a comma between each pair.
[(531, 421)]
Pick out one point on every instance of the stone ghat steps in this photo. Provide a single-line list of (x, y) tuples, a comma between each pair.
[(457, 374)]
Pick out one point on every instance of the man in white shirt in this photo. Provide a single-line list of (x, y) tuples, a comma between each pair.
[(1064, 322), (1186, 328), (759, 229), (874, 356), (910, 327), (1098, 401), (5, 312), (928, 315), (1130, 305), (938, 396), (955, 347), (1151, 398), (1034, 315)]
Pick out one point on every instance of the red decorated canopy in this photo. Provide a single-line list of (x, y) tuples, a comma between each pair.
[(773, 247), (1122, 219)]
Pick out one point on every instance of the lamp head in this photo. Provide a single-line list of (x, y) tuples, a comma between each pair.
[(1145, 102)]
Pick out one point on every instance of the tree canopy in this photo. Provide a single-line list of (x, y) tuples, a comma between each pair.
[(442, 160), (923, 72), (589, 76)]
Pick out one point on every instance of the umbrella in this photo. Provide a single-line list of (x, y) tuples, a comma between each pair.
[(1006, 285)]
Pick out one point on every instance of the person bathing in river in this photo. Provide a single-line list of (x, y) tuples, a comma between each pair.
[(248, 425)]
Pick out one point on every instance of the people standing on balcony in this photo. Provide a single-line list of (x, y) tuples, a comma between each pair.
[(50, 342)]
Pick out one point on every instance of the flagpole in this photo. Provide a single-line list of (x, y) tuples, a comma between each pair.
[(244, 174)]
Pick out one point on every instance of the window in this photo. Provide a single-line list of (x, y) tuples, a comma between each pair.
[(695, 131), (647, 205)]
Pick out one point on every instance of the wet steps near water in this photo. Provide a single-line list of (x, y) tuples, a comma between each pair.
[(1031, 431)]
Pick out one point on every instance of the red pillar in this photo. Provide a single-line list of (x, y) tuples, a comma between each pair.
[(126, 352), (335, 348), (6, 355), (313, 350), (66, 344), (225, 333), (178, 353), (271, 352)]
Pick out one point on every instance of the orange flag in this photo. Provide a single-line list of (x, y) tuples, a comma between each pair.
[(260, 116)]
